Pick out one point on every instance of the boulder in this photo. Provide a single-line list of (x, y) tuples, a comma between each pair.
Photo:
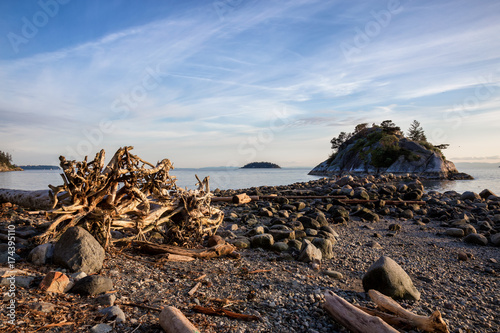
[(495, 239), (386, 276), (325, 245), (476, 239), (309, 253), (455, 232), (79, 251), (367, 214), (469, 195), (264, 241)]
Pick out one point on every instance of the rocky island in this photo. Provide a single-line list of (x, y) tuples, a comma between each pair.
[(384, 149), (261, 165)]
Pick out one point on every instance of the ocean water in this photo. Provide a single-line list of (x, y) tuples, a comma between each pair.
[(485, 176)]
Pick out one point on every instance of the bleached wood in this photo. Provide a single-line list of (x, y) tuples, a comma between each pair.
[(172, 320), (353, 318)]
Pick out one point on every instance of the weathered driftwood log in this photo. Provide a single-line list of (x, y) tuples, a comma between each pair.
[(133, 195), (205, 253), (403, 317), (353, 318), (41, 199), (172, 320)]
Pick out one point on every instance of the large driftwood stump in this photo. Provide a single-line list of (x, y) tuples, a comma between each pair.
[(131, 195)]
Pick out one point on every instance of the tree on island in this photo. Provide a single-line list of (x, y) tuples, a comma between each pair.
[(5, 158), (416, 132)]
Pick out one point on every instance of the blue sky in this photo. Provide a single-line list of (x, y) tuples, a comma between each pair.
[(228, 82)]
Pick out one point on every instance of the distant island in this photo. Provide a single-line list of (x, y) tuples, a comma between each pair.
[(40, 167), (261, 165)]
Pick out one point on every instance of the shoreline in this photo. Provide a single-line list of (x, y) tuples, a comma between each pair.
[(454, 276)]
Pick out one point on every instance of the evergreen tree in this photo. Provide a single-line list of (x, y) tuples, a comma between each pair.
[(416, 133)]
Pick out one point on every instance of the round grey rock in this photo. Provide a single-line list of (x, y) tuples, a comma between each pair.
[(79, 251), (386, 276)]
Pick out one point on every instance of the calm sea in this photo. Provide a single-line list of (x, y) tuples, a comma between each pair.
[(486, 176)]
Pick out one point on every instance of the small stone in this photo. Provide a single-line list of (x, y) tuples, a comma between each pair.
[(462, 256), (55, 282), (241, 242), (78, 275), (256, 231), (367, 214), (264, 241), (41, 254), (455, 232), (42, 306), (280, 247), (114, 313), (101, 328), (374, 245), (333, 274), (394, 227)]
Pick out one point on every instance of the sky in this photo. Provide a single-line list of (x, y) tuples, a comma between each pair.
[(229, 82)]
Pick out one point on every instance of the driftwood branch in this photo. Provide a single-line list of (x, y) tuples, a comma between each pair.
[(353, 318), (172, 320), (224, 312), (403, 317)]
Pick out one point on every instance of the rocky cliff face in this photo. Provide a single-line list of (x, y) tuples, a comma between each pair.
[(374, 151)]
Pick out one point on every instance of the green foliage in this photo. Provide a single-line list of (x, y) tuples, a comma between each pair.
[(389, 127), (338, 141), (5, 158), (384, 157)]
